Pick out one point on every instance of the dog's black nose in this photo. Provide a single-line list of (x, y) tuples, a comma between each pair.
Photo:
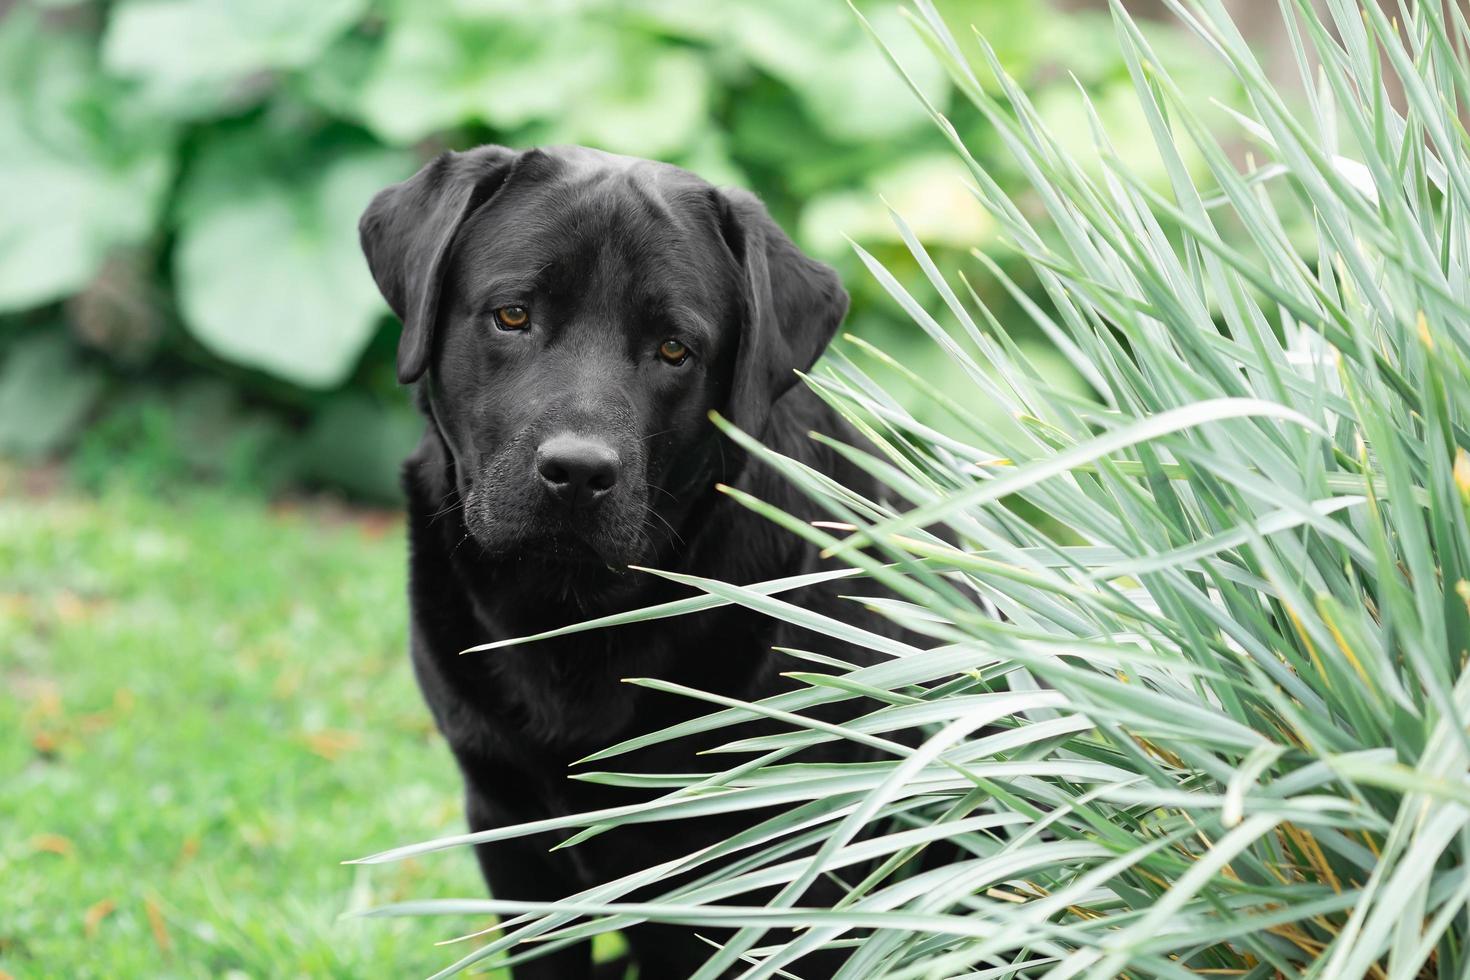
[(576, 470)]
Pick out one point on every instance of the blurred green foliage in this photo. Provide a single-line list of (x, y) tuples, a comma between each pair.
[(182, 180)]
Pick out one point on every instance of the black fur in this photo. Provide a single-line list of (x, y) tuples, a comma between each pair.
[(611, 256)]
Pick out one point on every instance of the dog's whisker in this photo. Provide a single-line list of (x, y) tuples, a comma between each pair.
[(450, 502), (666, 493), (674, 535)]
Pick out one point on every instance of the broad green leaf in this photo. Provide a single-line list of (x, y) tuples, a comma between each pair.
[(83, 170), (193, 56), (567, 76), (269, 270), (44, 395), (841, 78), (442, 66)]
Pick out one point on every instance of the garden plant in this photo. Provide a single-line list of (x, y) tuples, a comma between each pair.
[(180, 283)]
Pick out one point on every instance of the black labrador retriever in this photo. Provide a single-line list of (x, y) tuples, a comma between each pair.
[(571, 318)]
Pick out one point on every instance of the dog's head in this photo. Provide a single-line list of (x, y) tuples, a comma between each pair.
[(575, 316)]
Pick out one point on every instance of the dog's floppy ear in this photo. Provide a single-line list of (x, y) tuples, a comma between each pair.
[(793, 306), (406, 233)]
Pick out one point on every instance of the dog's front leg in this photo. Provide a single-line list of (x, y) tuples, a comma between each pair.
[(521, 870)]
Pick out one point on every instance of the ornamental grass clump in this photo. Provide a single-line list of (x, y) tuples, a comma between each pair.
[(1194, 695)]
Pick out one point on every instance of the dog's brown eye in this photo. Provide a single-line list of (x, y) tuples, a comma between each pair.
[(673, 352), (513, 317)]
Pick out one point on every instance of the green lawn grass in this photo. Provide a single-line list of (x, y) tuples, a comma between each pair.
[(207, 707)]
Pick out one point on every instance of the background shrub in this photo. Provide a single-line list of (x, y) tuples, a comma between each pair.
[(185, 177)]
